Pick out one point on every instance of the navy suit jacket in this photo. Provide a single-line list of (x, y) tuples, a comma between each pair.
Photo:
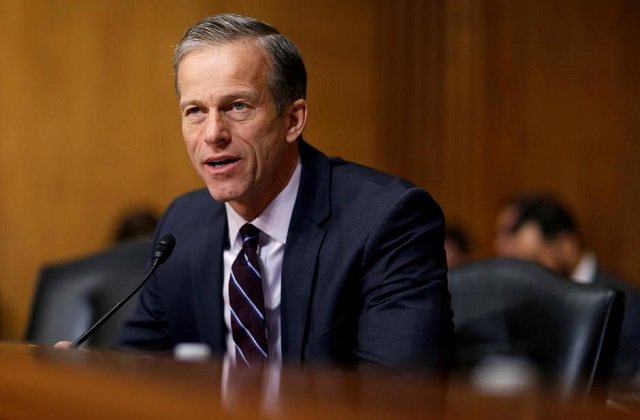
[(364, 277), (628, 358)]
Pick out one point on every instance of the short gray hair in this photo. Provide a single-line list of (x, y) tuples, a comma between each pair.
[(288, 78)]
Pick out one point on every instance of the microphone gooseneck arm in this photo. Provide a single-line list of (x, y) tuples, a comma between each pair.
[(162, 250)]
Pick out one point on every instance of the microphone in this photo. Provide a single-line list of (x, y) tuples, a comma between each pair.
[(161, 252)]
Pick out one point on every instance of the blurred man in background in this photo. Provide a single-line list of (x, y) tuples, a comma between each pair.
[(541, 229), (457, 245), (135, 224)]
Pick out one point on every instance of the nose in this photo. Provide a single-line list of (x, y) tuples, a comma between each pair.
[(216, 131)]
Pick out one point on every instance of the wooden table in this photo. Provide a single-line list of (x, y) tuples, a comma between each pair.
[(38, 382)]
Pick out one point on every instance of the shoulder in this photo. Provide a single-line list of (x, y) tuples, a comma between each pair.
[(351, 173), (605, 278), (352, 199), (353, 183), (199, 197), (194, 202), (192, 209), (376, 192)]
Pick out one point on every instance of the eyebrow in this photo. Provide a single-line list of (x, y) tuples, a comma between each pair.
[(246, 94)]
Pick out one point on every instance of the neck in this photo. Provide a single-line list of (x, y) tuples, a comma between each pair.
[(572, 258), (252, 208)]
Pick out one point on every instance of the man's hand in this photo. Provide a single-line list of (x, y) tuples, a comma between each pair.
[(62, 345)]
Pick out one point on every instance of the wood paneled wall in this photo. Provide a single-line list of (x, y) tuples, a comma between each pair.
[(476, 100), (485, 100)]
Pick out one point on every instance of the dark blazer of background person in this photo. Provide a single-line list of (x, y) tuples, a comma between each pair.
[(364, 279), (628, 359)]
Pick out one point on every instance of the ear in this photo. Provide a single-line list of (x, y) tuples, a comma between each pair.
[(569, 246), (297, 119)]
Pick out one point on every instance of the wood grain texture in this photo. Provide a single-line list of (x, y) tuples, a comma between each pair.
[(474, 100), (518, 97)]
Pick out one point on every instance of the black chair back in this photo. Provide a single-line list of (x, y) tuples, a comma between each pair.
[(507, 307), (71, 296)]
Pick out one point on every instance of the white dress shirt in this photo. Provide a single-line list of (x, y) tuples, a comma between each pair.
[(274, 225), (585, 272)]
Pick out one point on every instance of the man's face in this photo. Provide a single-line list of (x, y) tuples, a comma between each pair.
[(240, 147), (504, 242), (530, 244)]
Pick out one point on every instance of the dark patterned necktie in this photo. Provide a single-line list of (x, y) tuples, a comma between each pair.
[(247, 301)]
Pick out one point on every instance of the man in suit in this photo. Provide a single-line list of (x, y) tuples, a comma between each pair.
[(539, 228), (351, 260)]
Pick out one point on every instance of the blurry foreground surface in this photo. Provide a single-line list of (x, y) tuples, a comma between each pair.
[(47, 383)]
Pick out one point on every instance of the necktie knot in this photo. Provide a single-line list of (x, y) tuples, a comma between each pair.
[(249, 235)]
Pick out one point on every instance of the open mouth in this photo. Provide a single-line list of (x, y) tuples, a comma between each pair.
[(220, 163)]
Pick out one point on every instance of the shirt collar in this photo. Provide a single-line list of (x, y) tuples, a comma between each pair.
[(585, 272), (275, 219)]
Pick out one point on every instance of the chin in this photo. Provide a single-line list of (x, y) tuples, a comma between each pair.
[(221, 196)]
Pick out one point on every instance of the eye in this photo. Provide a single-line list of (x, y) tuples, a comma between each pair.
[(239, 111), (191, 110)]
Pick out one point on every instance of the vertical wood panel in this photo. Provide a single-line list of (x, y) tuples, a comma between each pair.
[(431, 73), (529, 96)]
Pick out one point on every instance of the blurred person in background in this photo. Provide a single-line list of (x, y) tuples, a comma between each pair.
[(135, 224), (457, 246), (504, 242), (539, 228)]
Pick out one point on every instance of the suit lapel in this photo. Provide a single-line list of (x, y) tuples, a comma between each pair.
[(304, 239), (206, 274)]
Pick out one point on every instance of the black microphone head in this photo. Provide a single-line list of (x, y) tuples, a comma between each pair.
[(164, 247)]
